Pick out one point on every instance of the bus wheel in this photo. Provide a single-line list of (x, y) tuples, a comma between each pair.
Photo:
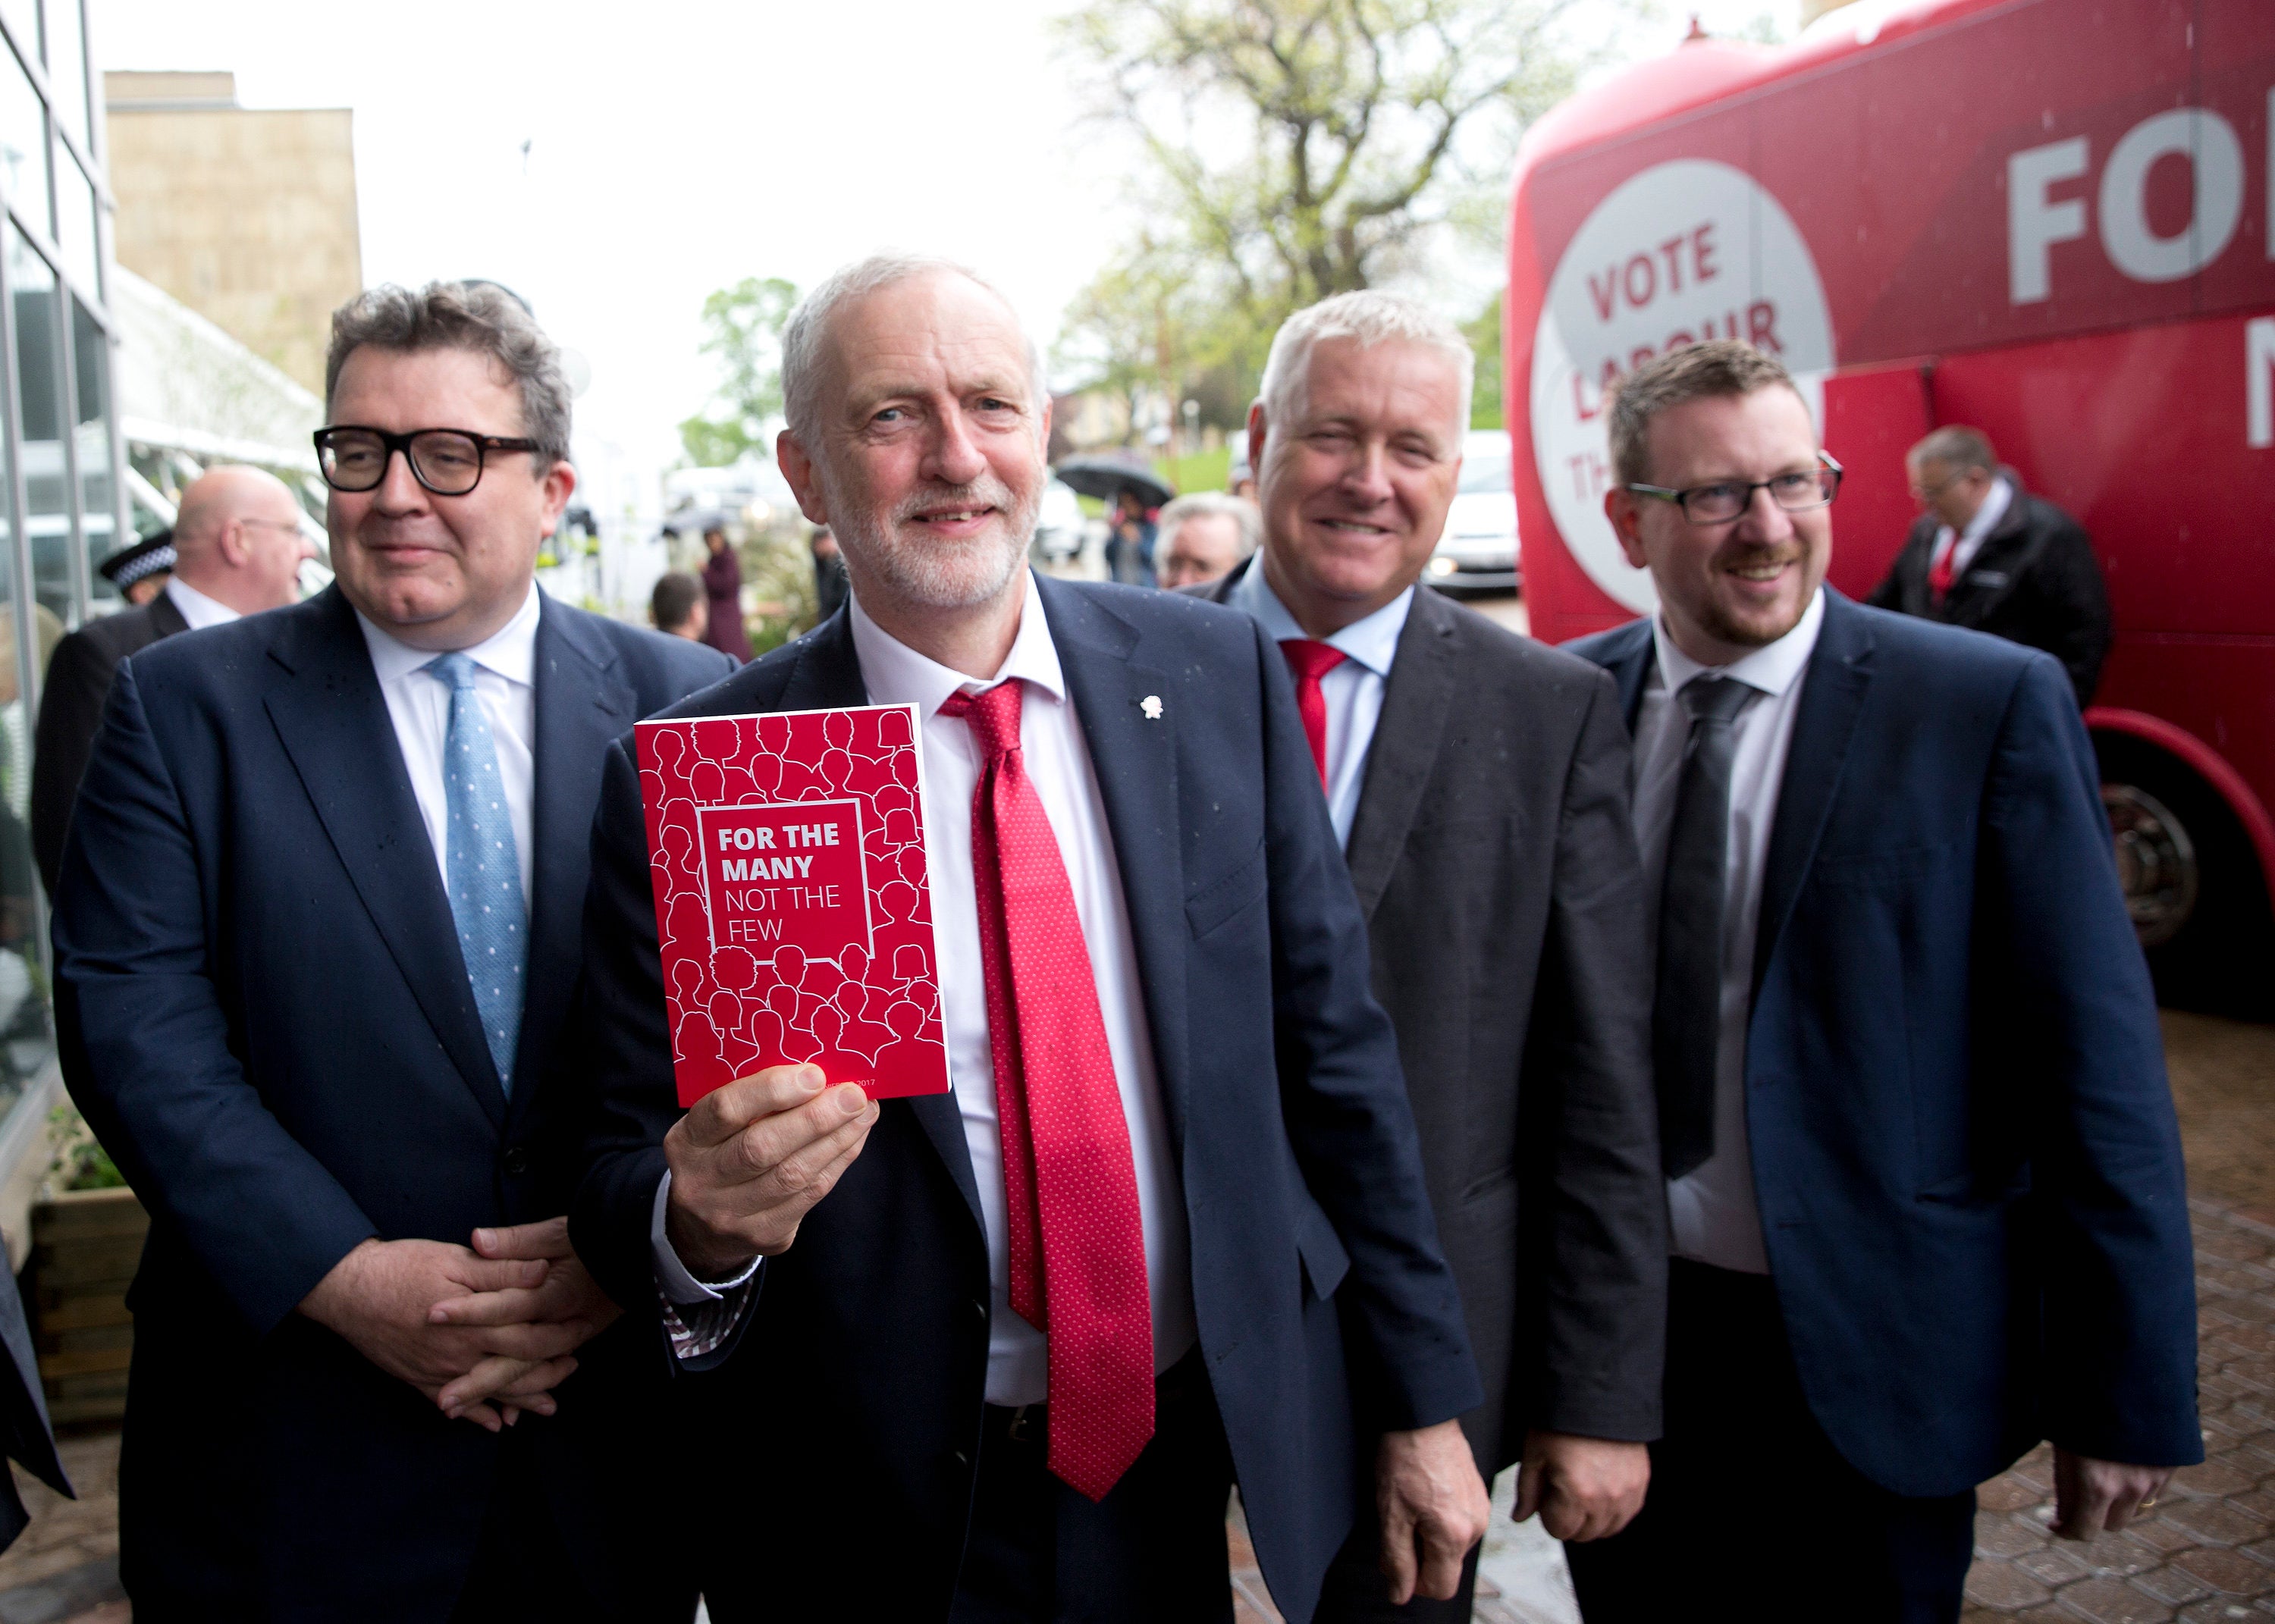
[(2192, 883)]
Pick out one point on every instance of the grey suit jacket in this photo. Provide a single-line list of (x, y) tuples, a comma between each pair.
[(1495, 859)]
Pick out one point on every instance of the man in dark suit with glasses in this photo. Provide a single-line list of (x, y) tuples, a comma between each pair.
[(317, 941), (1924, 1178)]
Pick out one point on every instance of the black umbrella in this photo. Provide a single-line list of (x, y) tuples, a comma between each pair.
[(1103, 476)]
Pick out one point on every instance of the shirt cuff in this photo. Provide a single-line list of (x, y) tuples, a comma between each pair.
[(679, 1288)]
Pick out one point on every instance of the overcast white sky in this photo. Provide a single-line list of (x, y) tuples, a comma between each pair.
[(679, 145)]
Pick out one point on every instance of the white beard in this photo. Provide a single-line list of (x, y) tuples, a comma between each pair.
[(934, 574)]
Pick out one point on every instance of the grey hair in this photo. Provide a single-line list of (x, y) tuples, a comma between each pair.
[(478, 316), (1957, 447), (1718, 366), (1211, 504), (802, 337), (1370, 317)]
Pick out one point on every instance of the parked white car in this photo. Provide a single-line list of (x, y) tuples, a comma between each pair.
[(1059, 527), (1478, 552)]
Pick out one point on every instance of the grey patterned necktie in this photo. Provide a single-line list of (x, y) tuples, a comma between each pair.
[(483, 866), (1687, 1015)]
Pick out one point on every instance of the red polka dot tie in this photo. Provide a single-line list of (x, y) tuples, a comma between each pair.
[(1077, 1246), (1310, 661)]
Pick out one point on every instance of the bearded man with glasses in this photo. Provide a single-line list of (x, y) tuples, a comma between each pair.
[(1924, 1178), (317, 942)]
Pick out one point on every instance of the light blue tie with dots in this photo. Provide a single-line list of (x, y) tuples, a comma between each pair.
[(483, 864)]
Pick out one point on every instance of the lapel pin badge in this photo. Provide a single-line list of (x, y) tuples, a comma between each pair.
[(1152, 706)]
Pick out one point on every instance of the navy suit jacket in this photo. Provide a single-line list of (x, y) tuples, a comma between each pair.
[(857, 1388), (264, 1015), (1964, 1150)]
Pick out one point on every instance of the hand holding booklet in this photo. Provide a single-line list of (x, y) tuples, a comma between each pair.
[(792, 900)]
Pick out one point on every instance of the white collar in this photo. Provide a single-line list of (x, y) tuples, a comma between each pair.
[(1371, 641), (895, 673), (1995, 501), (510, 651), (199, 609), (1774, 668)]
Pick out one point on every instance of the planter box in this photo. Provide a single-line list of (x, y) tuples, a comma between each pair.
[(86, 1245)]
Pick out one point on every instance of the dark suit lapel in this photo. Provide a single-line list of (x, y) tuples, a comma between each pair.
[(1135, 761), (1831, 697), (583, 704), (165, 619), (334, 725), (829, 675), (1404, 751), (1628, 661)]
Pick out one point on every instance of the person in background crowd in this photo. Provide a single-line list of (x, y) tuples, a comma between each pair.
[(830, 585), (317, 941), (1153, 982), (1130, 540), (1924, 1174), (723, 584), (1534, 1100), (1987, 554), (1241, 480), (238, 546), (1205, 536), (141, 571), (679, 606)]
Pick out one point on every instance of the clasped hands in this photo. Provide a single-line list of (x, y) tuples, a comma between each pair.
[(484, 1332)]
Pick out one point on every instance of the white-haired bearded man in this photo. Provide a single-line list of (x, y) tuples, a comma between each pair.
[(1168, 1227)]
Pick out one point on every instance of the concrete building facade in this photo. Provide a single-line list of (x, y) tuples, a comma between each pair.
[(248, 217)]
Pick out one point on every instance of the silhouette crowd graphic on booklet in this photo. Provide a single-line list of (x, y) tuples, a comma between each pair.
[(793, 903)]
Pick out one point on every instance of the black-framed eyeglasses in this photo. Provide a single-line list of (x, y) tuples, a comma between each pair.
[(447, 461), (1725, 500)]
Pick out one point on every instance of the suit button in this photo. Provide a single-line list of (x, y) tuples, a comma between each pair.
[(517, 1160), (980, 1308), (962, 1459)]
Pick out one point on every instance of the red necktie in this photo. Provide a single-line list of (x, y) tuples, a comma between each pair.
[(1939, 573), (1077, 1244), (1310, 661)]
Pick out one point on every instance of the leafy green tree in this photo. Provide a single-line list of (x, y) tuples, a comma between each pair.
[(1300, 148), (742, 329), (1483, 332)]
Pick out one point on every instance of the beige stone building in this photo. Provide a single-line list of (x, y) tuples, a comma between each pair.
[(247, 217)]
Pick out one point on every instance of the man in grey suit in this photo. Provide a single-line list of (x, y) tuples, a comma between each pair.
[(1480, 782)]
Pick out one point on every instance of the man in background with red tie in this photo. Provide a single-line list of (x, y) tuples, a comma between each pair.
[(1479, 782), (1986, 554), (1169, 1229)]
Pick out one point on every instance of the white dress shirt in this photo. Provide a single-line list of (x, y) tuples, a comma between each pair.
[(1057, 759), (1712, 1208), (418, 704), (1353, 690), (1963, 545), (199, 610)]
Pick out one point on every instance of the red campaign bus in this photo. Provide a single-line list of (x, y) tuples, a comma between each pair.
[(2052, 220)]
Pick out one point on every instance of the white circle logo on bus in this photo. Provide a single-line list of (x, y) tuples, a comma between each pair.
[(1680, 251)]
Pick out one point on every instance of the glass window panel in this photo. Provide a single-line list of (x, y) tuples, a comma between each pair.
[(67, 67), (75, 220), (98, 513), (23, 16), (39, 385), (23, 143), (29, 635)]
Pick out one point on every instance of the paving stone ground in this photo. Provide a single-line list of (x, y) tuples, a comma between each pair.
[(64, 1566)]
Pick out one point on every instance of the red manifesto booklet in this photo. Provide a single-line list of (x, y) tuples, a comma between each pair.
[(792, 897)]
